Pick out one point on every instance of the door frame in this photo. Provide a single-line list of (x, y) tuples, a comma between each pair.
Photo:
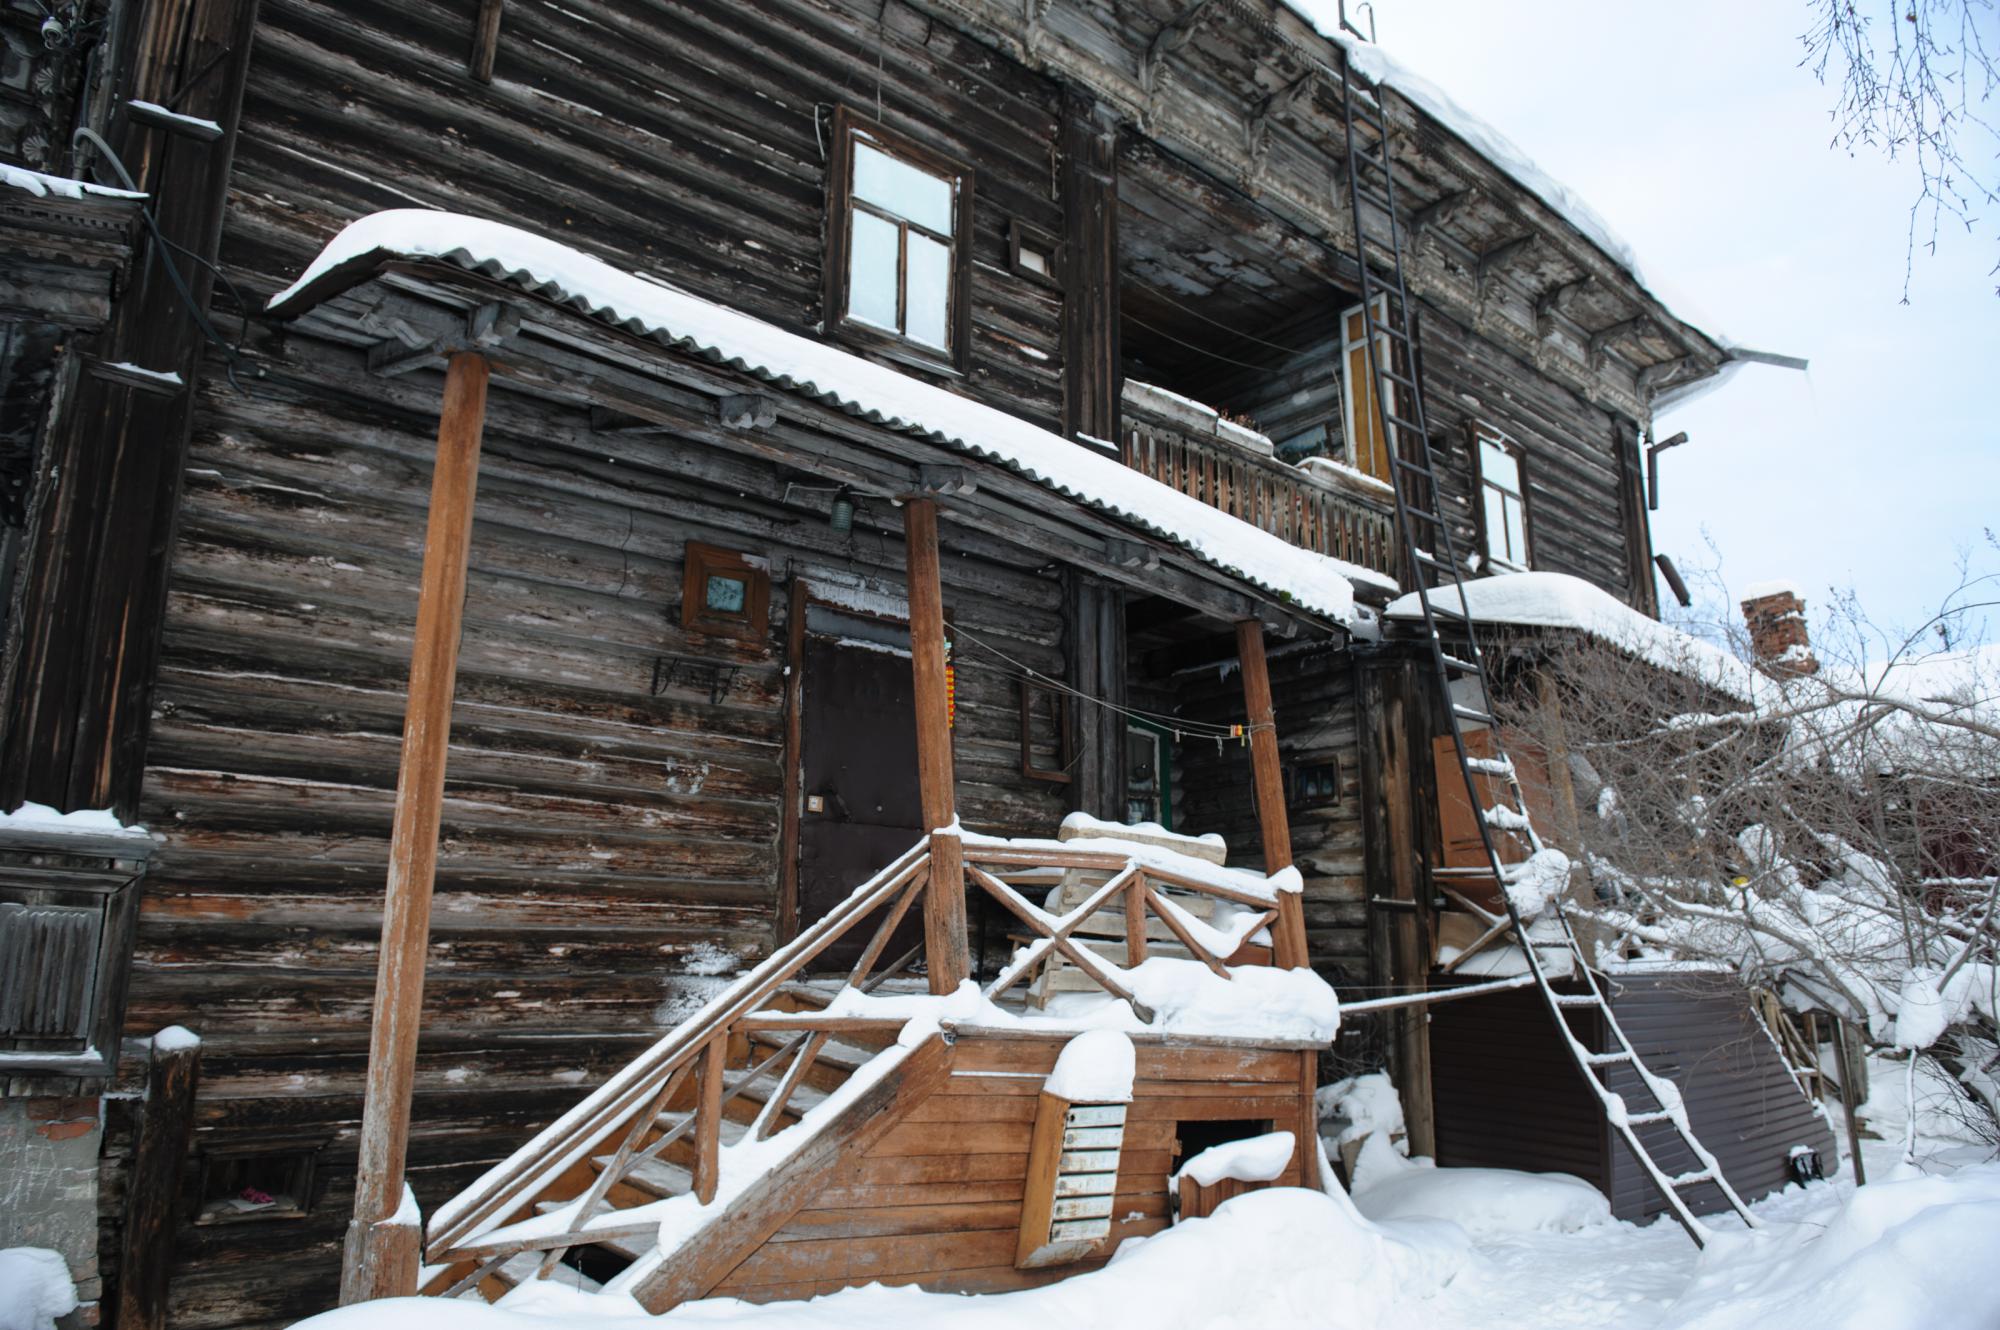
[(790, 845)]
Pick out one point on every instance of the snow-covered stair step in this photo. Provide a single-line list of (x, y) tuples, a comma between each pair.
[(732, 1131), (628, 1247), (845, 1058), (521, 1268), (760, 1091), (656, 1176)]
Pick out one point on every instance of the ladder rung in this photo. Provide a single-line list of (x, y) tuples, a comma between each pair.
[(1403, 422), (1426, 514), (1409, 383), (1408, 465), (1691, 1179), (1471, 713), (1376, 197), (1607, 1059), (1462, 666), (1648, 1119), (1577, 1000)]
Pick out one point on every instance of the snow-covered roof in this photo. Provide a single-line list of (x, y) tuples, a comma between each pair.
[(1372, 62), (1557, 600), (1311, 582)]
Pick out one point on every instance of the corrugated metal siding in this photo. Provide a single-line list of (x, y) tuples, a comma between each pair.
[(1508, 1096), (1742, 1101)]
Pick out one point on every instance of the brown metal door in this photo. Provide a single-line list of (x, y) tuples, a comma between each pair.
[(860, 780)]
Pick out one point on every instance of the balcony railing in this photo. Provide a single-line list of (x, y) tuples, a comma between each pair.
[(1296, 506)]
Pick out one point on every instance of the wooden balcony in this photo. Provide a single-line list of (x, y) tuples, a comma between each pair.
[(1298, 506)]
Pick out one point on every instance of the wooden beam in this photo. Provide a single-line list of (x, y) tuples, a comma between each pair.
[(1289, 946), (485, 40), (944, 898), (708, 1118), (399, 986), (153, 1186), (1093, 378)]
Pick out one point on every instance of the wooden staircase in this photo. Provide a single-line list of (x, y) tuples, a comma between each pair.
[(662, 1180)]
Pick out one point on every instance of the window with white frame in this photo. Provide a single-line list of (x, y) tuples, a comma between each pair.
[(1503, 505), (897, 267)]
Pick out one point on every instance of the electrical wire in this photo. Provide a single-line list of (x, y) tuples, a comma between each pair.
[(1181, 726), (1212, 355)]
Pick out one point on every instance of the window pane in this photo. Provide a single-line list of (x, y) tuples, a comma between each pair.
[(726, 594), (1496, 523), (902, 189), (927, 307), (871, 271), (1517, 532), (1499, 467)]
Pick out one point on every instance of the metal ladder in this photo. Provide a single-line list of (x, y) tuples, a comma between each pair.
[(1371, 194)]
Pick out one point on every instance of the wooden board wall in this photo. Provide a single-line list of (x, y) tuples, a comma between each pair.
[(937, 1201)]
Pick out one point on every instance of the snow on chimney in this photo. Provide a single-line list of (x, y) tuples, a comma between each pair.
[(1777, 620)]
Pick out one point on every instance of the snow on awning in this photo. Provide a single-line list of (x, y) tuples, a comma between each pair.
[(1557, 600), (1312, 583)]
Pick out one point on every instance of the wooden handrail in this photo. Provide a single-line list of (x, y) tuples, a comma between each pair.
[(1274, 496), (519, 1179)]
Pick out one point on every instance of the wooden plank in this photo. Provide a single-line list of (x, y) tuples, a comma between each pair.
[(152, 1186), (485, 40), (1045, 1153), (945, 943), (413, 844)]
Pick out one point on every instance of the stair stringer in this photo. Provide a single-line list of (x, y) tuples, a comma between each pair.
[(740, 1226)]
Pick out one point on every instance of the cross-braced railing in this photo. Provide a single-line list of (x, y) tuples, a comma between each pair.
[(495, 1221)]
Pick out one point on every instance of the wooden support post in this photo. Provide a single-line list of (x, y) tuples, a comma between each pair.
[(370, 1270), (1289, 946), (485, 41), (944, 898), (154, 1185), (708, 1118), (1398, 939)]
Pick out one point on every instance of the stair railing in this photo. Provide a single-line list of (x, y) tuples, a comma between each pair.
[(696, 1050)]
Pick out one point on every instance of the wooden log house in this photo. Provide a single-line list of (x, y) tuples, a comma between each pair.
[(634, 649)]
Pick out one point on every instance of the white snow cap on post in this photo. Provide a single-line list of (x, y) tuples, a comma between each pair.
[(1096, 1067)]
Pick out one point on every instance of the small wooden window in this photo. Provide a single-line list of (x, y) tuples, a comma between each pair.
[(725, 594), (1503, 499), (1367, 440), (267, 1180), (1313, 784), (899, 243), (1033, 253), (1046, 752)]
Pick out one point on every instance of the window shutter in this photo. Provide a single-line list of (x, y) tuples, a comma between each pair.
[(48, 972)]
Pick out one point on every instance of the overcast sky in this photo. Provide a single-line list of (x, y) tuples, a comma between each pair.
[(1694, 131)]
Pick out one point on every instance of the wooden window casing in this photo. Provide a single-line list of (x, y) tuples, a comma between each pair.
[(853, 135), (1047, 748), (1501, 510), (747, 621), (1367, 437)]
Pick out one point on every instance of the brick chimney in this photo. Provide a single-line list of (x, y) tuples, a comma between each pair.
[(1777, 621)]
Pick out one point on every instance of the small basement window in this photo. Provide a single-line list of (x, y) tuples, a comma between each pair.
[(1313, 784), (899, 241), (269, 1180)]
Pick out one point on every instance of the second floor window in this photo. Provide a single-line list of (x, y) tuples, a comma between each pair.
[(1367, 440), (1503, 504), (897, 264)]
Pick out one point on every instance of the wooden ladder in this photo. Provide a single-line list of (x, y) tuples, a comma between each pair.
[(1433, 562)]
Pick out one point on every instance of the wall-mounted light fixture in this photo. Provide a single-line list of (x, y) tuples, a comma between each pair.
[(840, 516)]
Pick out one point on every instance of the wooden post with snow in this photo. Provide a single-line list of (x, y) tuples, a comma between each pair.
[(383, 1237), (1288, 939), (944, 898)]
